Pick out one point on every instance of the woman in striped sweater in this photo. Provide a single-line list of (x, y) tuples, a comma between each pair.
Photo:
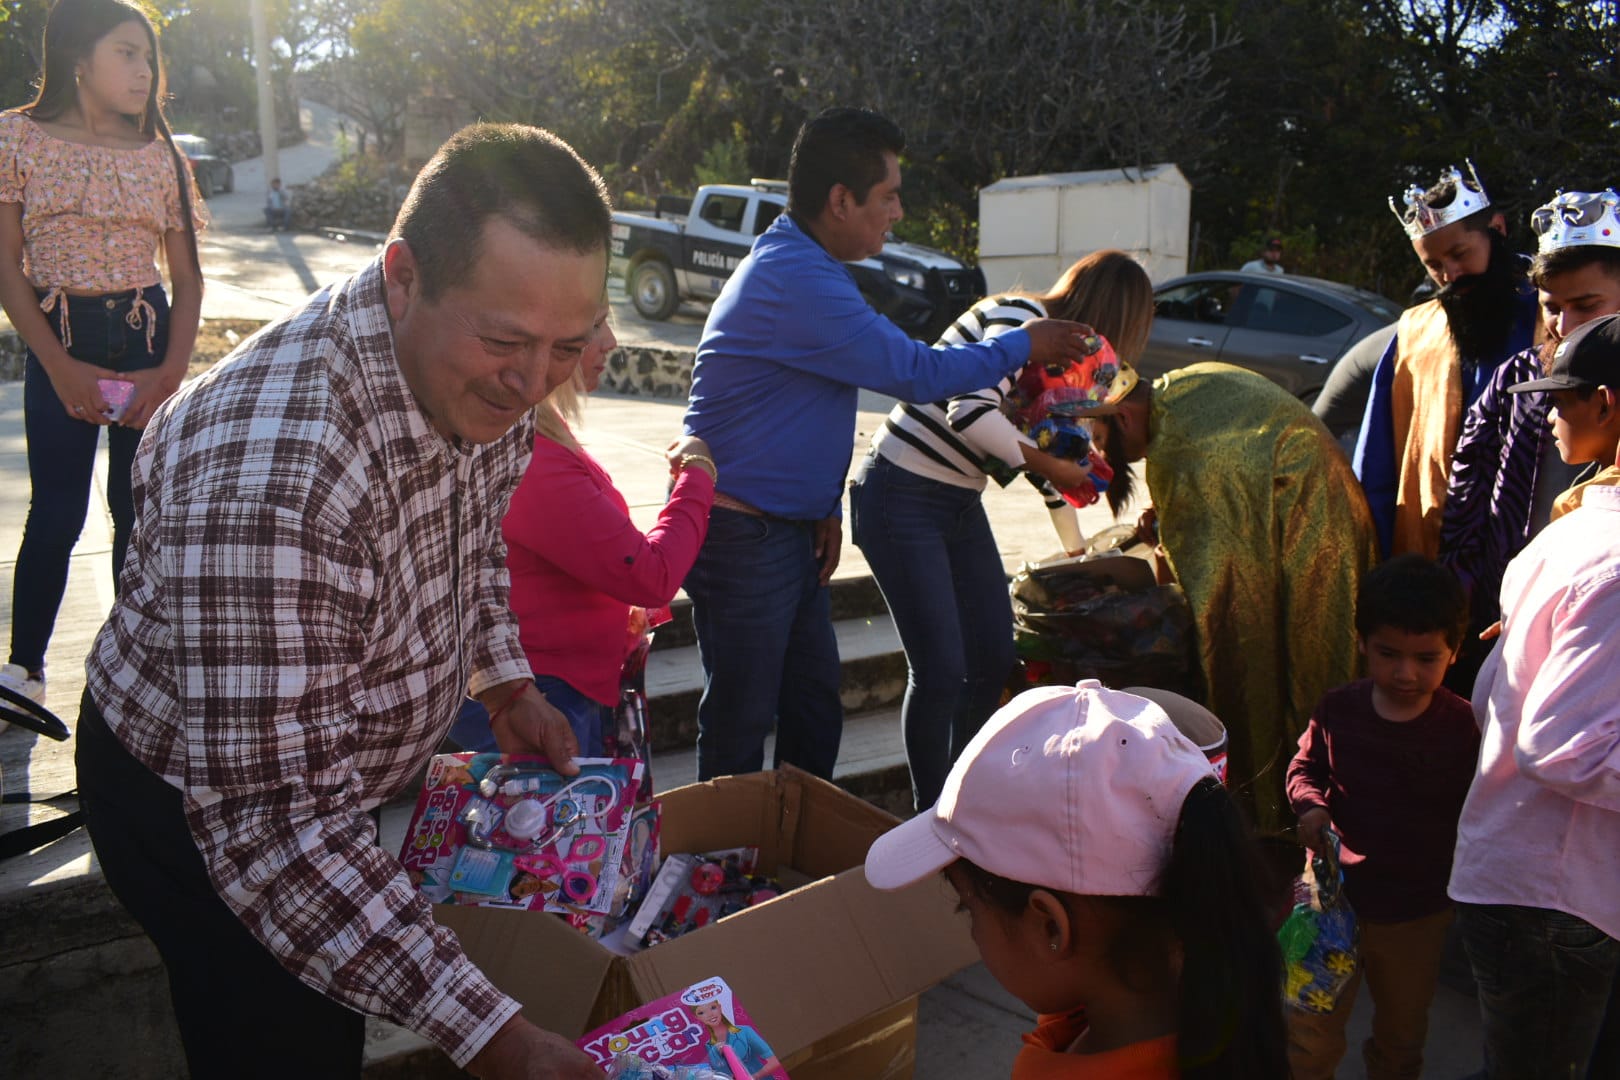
[(919, 520)]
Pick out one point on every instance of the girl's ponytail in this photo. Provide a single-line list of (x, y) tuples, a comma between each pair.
[(1231, 1018)]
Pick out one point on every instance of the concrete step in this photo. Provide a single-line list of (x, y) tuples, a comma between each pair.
[(874, 677), (851, 597)]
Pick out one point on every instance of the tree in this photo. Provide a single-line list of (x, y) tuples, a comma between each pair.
[(976, 92)]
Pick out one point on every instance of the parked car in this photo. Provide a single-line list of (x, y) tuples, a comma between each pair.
[(213, 172), (1290, 329), (687, 249)]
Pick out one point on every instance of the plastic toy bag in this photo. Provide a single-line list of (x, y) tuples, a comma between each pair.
[(1320, 937), (628, 1066)]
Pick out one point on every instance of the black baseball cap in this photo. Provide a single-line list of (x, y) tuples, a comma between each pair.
[(1588, 357)]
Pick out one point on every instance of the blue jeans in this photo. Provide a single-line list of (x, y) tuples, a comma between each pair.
[(765, 637), (1547, 992), (931, 549), (62, 458), (590, 719)]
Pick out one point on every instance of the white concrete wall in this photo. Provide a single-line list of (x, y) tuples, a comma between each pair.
[(1032, 228)]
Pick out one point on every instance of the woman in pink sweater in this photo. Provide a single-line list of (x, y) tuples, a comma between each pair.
[(580, 568)]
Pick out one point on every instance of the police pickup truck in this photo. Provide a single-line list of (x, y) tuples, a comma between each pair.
[(687, 249)]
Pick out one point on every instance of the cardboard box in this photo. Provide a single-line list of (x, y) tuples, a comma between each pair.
[(833, 955)]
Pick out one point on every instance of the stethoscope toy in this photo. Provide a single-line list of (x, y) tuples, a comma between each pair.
[(534, 830), (535, 821)]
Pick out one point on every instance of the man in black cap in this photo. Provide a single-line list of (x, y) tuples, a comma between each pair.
[(1584, 381)]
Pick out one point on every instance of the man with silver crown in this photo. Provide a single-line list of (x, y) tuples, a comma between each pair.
[(1507, 474), (1441, 358)]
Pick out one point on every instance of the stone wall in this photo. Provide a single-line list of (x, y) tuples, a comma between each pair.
[(641, 371), (632, 369)]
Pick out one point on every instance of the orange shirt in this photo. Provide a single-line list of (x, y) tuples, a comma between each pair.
[(1044, 1056)]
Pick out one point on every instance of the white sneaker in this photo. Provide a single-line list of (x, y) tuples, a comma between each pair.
[(16, 677)]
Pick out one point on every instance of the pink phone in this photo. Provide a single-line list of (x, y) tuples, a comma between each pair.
[(117, 392)]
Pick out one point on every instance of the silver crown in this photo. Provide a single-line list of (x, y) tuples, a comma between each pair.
[(1420, 219), (1577, 219)]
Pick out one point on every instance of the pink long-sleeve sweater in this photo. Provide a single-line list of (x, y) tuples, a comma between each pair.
[(578, 563)]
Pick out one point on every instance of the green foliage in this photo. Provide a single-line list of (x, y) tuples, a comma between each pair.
[(724, 162)]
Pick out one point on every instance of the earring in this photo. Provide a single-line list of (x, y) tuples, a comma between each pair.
[(1054, 946)]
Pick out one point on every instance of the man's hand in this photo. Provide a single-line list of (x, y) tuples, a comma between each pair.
[(521, 1051), (829, 542), (1491, 632), (1311, 824), (528, 724), (1055, 341)]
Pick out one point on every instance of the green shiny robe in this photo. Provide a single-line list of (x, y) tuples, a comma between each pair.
[(1268, 534)]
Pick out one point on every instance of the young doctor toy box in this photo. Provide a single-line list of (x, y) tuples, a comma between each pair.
[(824, 966)]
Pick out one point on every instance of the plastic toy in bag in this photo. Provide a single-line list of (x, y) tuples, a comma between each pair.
[(628, 1066), (1046, 404), (1320, 937)]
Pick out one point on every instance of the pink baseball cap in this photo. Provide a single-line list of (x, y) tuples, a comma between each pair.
[(1074, 788)]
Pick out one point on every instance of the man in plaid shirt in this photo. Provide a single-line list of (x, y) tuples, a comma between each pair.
[(315, 580)]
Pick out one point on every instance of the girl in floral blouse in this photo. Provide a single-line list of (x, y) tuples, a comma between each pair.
[(91, 186)]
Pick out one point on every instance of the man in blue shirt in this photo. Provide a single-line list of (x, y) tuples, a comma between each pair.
[(787, 347)]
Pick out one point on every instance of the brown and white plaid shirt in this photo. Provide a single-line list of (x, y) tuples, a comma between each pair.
[(315, 579)]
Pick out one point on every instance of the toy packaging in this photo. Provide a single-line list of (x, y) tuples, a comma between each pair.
[(507, 831), (700, 1033), (1045, 405), (692, 891)]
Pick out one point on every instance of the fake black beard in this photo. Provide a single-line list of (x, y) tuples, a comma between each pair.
[(1480, 308), (1122, 488)]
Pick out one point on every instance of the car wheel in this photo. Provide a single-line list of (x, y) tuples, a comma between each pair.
[(230, 180), (652, 290), (205, 185)]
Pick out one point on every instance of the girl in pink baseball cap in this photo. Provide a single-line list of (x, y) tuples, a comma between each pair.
[(1113, 887)]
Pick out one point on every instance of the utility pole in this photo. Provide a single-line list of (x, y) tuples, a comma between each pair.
[(267, 92)]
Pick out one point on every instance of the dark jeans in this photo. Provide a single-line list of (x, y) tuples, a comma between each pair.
[(1547, 990), (590, 719), (62, 459), (240, 1013), (765, 637), (931, 549), (278, 219)]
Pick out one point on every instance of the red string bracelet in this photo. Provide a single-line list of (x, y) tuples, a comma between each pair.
[(507, 704)]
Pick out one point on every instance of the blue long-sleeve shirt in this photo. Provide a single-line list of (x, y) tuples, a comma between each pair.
[(1376, 456), (787, 346)]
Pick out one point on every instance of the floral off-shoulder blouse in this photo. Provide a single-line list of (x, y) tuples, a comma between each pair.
[(93, 216)]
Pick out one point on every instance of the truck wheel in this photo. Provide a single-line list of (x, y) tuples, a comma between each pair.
[(652, 290)]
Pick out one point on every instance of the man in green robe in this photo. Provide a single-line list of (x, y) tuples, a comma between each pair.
[(1267, 532)]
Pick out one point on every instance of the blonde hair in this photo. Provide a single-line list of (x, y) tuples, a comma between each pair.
[(560, 409), (1110, 292)]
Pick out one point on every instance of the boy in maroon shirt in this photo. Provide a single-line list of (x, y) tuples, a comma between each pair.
[(1386, 762)]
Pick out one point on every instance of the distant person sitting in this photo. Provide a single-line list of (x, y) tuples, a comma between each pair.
[(1269, 262), (277, 206)]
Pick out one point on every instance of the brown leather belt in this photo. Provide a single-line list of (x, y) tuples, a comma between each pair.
[(727, 502)]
